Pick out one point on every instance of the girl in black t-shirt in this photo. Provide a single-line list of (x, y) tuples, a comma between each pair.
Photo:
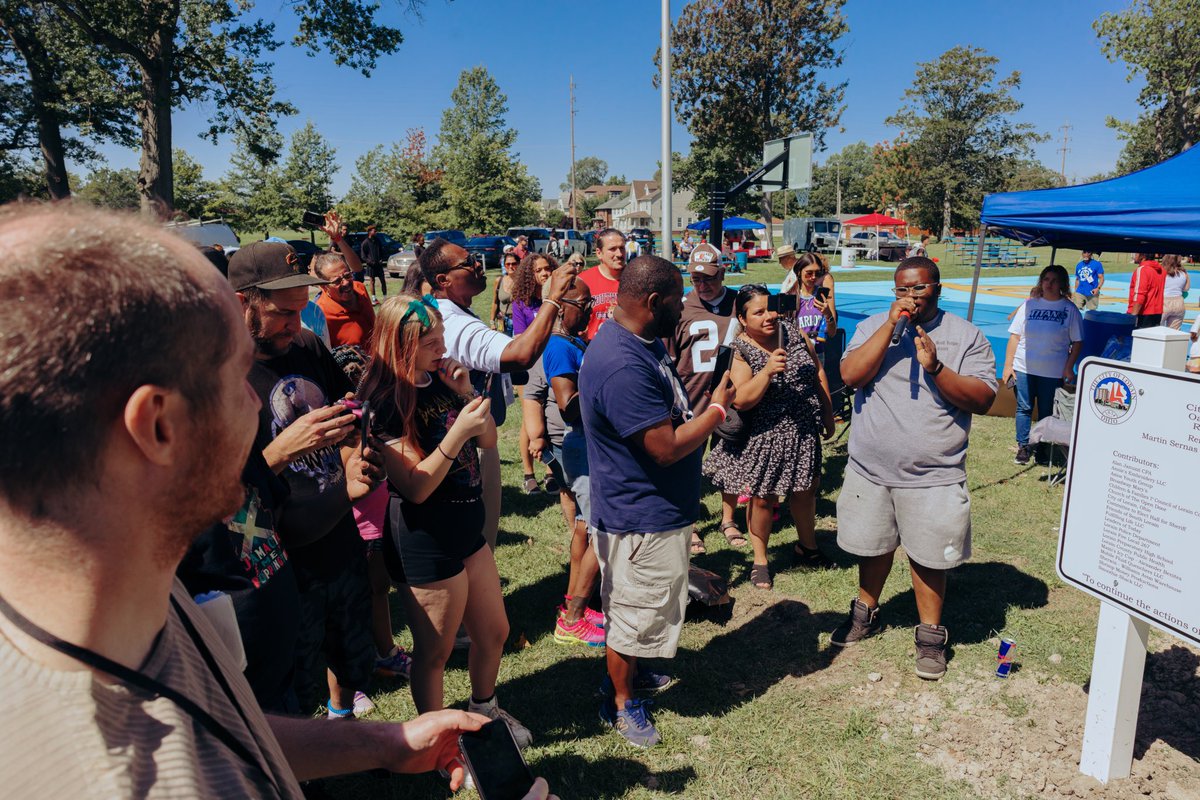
[(432, 427)]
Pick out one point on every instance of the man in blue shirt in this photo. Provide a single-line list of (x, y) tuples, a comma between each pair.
[(1089, 277), (644, 446)]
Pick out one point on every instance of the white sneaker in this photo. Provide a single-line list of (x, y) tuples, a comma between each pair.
[(362, 705), (493, 711)]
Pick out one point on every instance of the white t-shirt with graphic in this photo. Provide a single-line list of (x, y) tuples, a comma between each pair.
[(1047, 330)]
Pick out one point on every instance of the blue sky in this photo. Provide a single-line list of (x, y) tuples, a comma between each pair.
[(531, 47)]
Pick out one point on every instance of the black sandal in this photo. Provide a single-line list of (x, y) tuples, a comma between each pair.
[(760, 576), (735, 539), (813, 559)]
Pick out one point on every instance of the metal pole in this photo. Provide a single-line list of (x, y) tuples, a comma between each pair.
[(664, 187), (574, 219), (978, 269)]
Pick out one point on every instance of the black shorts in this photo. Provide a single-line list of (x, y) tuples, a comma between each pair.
[(335, 619), (375, 271), (427, 543)]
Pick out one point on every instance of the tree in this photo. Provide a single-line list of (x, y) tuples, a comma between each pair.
[(174, 53), (111, 188), (963, 140), (1159, 40), (1029, 174), (780, 47), (307, 172), (192, 192), (895, 170), (487, 187), (398, 188), (248, 194), (616, 180), (848, 169), (52, 82), (589, 171)]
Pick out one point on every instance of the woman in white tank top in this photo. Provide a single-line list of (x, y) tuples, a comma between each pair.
[(1175, 287)]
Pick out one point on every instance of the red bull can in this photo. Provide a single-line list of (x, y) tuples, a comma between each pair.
[(1004, 657)]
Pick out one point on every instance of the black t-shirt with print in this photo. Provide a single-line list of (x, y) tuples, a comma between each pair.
[(438, 406), (244, 557), (305, 378)]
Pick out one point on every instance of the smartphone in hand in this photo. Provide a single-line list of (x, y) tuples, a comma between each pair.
[(365, 420), (720, 367), (495, 762), (311, 219), (782, 304), (821, 293)]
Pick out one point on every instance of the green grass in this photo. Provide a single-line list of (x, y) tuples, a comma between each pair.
[(764, 706)]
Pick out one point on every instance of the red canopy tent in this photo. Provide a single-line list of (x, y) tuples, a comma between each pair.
[(875, 220)]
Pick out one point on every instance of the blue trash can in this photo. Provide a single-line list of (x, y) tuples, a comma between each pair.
[(740, 259), (1100, 326)]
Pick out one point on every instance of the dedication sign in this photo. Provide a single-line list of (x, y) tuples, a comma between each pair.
[(1131, 516)]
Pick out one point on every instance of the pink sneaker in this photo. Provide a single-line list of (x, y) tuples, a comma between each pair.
[(582, 632), (590, 614), (743, 499)]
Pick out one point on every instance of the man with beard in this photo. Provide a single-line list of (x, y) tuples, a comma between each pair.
[(604, 278), (299, 433), (112, 458), (707, 322), (644, 445)]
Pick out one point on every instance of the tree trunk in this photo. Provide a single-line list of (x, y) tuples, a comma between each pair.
[(946, 215), (156, 174), (41, 83)]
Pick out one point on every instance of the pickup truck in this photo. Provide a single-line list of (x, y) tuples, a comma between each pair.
[(886, 246)]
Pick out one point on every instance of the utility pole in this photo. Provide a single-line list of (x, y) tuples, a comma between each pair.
[(839, 189), (574, 219), (1066, 129), (664, 185)]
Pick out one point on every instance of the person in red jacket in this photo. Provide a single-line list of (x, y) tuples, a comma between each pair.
[(1146, 291)]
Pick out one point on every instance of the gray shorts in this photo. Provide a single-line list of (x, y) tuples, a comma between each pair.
[(643, 587), (933, 522)]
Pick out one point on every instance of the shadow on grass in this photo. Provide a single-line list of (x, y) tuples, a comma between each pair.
[(513, 500), (605, 778), (1169, 704)]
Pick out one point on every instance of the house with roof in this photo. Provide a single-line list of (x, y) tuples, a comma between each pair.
[(682, 216), (635, 211)]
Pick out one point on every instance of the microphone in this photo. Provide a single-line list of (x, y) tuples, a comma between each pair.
[(901, 324)]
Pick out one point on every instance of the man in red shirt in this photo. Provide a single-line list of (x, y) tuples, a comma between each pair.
[(603, 278), (345, 301), (1146, 291)]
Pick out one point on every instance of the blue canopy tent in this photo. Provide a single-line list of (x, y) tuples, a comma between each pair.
[(731, 224), (1154, 210)]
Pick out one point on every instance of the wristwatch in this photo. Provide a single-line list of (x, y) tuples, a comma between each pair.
[(937, 369)]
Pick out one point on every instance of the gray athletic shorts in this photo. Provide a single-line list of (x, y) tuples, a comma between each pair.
[(643, 588), (933, 522)]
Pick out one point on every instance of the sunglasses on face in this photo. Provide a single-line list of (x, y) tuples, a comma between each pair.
[(914, 291), (470, 263), (345, 277), (582, 305)]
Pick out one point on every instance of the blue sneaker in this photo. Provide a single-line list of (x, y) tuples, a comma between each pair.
[(633, 722)]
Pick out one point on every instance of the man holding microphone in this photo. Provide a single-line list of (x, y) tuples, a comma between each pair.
[(920, 373)]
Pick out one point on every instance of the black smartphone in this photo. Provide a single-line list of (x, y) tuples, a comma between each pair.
[(365, 421), (487, 384), (821, 293), (312, 219), (495, 762), (782, 304), (720, 367)]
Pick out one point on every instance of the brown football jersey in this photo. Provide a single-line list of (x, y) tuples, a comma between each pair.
[(694, 345)]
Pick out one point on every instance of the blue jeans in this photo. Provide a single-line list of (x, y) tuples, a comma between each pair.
[(1030, 389)]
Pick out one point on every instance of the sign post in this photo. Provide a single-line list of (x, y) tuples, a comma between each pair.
[(1129, 526)]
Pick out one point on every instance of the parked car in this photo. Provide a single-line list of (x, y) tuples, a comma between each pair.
[(457, 237), (886, 246), (305, 251), (534, 235), (390, 246), (398, 263), (206, 233), (490, 249), (644, 237), (573, 242)]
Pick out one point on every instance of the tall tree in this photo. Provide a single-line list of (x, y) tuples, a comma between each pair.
[(844, 173), (398, 188), (248, 195), (51, 83), (589, 171), (959, 119), (487, 187), (192, 192), (213, 52), (308, 171), (1159, 41), (781, 49)]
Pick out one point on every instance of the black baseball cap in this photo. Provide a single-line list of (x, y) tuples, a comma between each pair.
[(269, 266)]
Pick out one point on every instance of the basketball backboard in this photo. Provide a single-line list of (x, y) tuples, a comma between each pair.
[(799, 161)]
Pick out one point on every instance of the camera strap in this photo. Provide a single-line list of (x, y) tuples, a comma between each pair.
[(151, 686)]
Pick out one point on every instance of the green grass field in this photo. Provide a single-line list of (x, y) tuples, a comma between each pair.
[(765, 708)]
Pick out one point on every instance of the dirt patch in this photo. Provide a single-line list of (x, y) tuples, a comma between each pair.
[(1021, 738)]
